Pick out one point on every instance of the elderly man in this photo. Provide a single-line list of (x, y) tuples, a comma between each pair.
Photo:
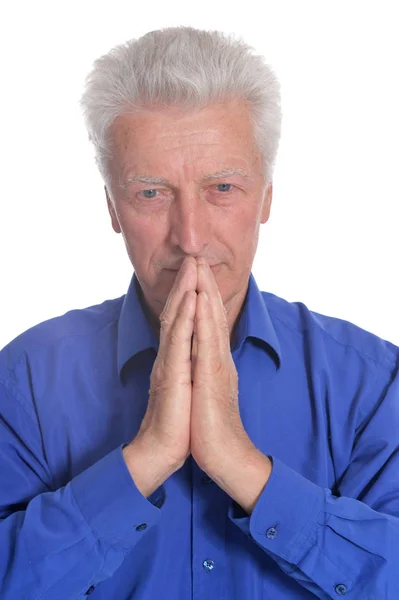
[(195, 438)]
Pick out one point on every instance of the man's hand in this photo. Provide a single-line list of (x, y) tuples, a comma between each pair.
[(216, 427), (219, 442), (162, 444)]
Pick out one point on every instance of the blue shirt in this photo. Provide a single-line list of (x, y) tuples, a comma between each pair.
[(316, 393)]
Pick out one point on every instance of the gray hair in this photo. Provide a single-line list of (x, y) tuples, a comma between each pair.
[(184, 67)]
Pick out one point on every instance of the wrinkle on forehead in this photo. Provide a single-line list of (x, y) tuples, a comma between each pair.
[(143, 141)]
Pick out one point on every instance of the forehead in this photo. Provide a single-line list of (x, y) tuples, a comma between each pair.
[(222, 123), (156, 142)]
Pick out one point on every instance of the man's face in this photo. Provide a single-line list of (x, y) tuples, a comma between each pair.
[(192, 215)]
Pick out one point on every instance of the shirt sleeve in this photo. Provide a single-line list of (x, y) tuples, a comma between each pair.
[(345, 545), (57, 544)]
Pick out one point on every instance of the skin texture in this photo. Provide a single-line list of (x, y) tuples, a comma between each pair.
[(192, 217), (214, 223)]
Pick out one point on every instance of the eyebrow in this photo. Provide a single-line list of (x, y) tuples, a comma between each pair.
[(163, 181)]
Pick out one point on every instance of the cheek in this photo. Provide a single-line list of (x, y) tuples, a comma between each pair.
[(143, 238), (243, 240), (138, 229), (243, 229)]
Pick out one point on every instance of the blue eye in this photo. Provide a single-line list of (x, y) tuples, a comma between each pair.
[(224, 184), (144, 191)]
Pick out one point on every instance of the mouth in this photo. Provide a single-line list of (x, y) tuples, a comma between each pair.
[(214, 269)]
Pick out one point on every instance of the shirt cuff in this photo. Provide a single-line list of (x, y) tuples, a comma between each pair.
[(114, 508), (285, 514)]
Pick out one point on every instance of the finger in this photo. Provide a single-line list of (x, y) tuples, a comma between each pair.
[(185, 282), (186, 279), (209, 356), (207, 283), (176, 343)]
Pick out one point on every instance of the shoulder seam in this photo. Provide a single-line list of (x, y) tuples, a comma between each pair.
[(68, 335), (387, 364)]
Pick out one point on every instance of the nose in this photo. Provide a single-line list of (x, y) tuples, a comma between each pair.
[(190, 227)]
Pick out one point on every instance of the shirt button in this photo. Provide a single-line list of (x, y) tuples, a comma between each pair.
[(90, 590), (208, 565), (206, 479), (271, 533), (340, 589), (141, 527)]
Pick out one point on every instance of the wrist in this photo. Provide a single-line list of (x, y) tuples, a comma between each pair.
[(147, 466), (244, 478)]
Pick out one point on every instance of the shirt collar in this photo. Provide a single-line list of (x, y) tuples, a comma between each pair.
[(135, 334)]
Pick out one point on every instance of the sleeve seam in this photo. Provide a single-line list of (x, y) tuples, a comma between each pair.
[(90, 528), (372, 401), (17, 395), (313, 516)]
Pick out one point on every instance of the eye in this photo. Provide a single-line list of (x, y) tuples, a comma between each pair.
[(224, 185), (151, 192)]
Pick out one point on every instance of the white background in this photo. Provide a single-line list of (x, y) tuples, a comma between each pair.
[(332, 238)]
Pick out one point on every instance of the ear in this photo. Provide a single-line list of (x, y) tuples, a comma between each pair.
[(111, 209), (267, 203)]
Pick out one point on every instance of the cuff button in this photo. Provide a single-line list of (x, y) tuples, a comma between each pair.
[(271, 533), (341, 589)]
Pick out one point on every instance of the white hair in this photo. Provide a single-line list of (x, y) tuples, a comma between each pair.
[(184, 67)]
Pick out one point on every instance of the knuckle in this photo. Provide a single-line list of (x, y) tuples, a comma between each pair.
[(175, 337), (164, 321), (218, 367), (157, 374), (223, 327)]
